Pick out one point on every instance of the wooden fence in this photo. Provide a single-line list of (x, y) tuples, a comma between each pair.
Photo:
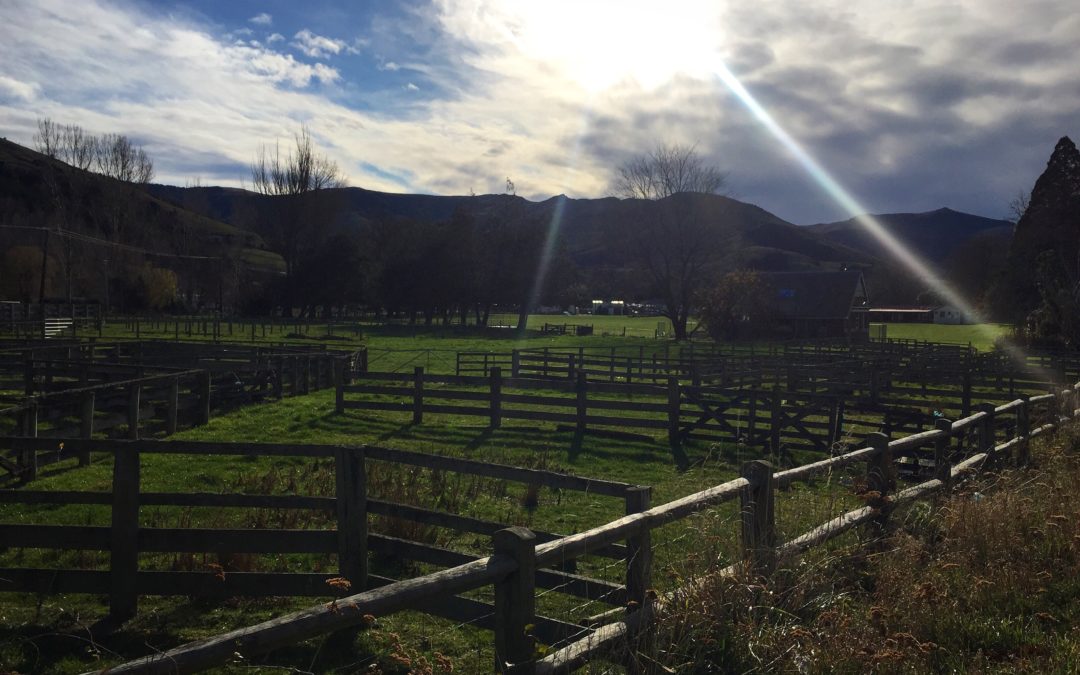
[(351, 541), (511, 570), (807, 408)]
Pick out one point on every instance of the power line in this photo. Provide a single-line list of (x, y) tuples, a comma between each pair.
[(104, 242)]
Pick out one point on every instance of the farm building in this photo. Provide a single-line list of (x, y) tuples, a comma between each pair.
[(819, 304), (950, 314), (901, 314), (609, 307)]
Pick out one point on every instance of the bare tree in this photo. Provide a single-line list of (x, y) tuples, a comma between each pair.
[(77, 147), (295, 174), (666, 171), (300, 217), (116, 156), (1018, 206), (48, 138), (674, 236)]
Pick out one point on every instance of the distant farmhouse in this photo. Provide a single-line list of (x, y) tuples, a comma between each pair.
[(819, 304), (946, 314)]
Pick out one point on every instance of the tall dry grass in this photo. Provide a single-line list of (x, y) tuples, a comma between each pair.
[(986, 580)]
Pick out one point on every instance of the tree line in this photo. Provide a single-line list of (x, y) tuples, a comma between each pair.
[(113, 155)]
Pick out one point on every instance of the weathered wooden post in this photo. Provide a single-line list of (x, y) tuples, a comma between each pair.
[(965, 400), (1023, 432), (418, 395), (880, 481), (515, 600), (581, 391), (758, 517), (638, 547), (986, 428), (571, 370), (203, 411), (515, 363), (352, 527), (134, 395), (86, 424), (674, 405), (776, 420), (28, 457), (339, 385), (123, 540), (495, 382), (943, 453), (172, 406)]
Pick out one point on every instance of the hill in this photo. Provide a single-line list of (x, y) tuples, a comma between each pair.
[(933, 235), (589, 230), (89, 228)]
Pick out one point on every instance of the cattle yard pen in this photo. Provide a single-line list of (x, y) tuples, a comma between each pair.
[(991, 437), (820, 398), (142, 388)]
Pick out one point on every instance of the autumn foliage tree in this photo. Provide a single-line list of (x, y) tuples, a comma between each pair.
[(739, 306)]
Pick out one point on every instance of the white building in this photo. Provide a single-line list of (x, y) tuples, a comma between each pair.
[(949, 314)]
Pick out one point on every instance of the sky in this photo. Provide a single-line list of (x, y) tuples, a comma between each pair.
[(909, 105)]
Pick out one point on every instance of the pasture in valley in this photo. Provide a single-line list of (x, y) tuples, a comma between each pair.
[(50, 632)]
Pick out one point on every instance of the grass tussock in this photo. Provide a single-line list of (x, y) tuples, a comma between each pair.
[(984, 581)]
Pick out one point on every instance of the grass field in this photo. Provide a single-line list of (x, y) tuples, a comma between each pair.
[(49, 633), (981, 336)]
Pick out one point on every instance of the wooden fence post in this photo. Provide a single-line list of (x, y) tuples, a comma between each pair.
[(1023, 432), (515, 363), (570, 369), (943, 454), (986, 428), (418, 395), (134, 396), (674, 405), (880, 479), (638, 547), (123, 541), (965, 401), (351, 501), (28, 457), (758, 517), (339, 385), (203, 410), (172, 407), (582, 401), (495, 380), (86, 424), (776, 414), (515, 599)]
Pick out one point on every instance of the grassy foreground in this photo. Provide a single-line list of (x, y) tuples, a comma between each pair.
[(985, 581)]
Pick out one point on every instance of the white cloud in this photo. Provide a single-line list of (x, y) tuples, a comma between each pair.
[(262, 19), (275, 37), (411, 87), (320, 46), (907, 115), (12, 88)]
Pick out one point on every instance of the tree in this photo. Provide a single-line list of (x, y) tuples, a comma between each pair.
[(674, 238), (739, 306), (117, 157), (300, 215)]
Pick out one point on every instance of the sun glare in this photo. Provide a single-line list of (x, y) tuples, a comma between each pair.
[(599, 45)]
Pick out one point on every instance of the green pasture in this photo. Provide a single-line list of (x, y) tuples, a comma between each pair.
[(49, 633), (980, 335)]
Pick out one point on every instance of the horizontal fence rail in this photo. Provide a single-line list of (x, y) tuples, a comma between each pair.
[(992, 436)]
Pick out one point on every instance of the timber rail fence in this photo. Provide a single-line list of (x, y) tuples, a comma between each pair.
[(818, 398), (349, 507), (134, 389), (512, 568)]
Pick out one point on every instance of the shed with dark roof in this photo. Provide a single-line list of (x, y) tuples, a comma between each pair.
[(819, 303)]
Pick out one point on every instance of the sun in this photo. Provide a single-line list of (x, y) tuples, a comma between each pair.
[(599, 45)]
